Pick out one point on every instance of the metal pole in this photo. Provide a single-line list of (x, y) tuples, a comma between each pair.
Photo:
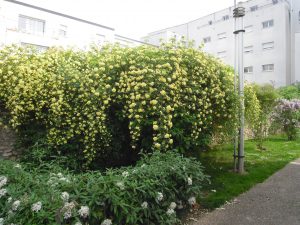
[(241, 93), (239, 13), (235, 144)]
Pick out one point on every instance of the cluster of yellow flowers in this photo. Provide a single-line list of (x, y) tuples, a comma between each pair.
[(70, 92)]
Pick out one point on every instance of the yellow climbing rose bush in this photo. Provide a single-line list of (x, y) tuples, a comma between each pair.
[(167, 97)]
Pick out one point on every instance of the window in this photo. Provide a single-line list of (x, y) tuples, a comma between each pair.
[(222, 36), (268, 45), (62, 31), (210, 22), (248, 69), (248, 49), (31, 25), (248, 29), (275, 2), (206, 39), (253, 8), (268, 68), (222, 54), (226, 17), (267, 24)]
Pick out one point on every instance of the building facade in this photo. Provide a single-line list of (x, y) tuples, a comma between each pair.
[(271, 39), (26, 24)]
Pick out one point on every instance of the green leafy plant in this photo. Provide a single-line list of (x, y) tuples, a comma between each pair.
[(290, 92), (149, 193), (267, 98)]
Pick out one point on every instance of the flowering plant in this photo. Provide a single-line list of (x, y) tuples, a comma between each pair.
[(152, 192), (287, 115), (113, 101)]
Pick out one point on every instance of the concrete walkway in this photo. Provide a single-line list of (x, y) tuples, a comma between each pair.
[(273, 202)]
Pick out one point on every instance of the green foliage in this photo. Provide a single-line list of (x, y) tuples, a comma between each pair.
[(290, 92), (106, 105), (267, 99), (252, 106), (149, 193)]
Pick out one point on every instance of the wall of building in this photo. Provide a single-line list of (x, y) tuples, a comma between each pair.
[(79, 33), (127, 42), (295, 48), (156, 38), (218, 28)]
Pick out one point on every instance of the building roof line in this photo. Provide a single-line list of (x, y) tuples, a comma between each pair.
[(166, 28), (58, 14), (130, 39), (202, 17)]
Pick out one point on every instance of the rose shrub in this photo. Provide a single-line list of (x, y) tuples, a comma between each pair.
[(107, 105)]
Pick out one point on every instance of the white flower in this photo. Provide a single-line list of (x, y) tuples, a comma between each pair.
[(159, 196), (68, 205), (9, 200), (36, 207), (125, 174), (192, 200), (67, 209), (16, 205), (1, 221), (3, 192), (65, 196), (170, 211), (17, 166), (120, 184), (143, 165), (3, 181), (172, 205), (67, 214), (190, 181), (106, 222), (144, 205), (60, 175), (214, 190), (84, 211), (64, 179), (78, 223)]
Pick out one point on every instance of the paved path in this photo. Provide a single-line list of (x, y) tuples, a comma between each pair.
[(273, 202)]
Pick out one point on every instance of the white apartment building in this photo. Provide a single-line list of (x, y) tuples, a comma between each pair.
[(26, 24), (271, 39)]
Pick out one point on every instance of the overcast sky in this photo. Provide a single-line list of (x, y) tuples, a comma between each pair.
[(135, 18)]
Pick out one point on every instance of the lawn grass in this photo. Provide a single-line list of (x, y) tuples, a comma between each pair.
[(259, 165)]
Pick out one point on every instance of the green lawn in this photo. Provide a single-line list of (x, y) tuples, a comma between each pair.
[(259, 165)]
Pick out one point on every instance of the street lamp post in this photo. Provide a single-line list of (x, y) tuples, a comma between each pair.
[(238, 14)]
